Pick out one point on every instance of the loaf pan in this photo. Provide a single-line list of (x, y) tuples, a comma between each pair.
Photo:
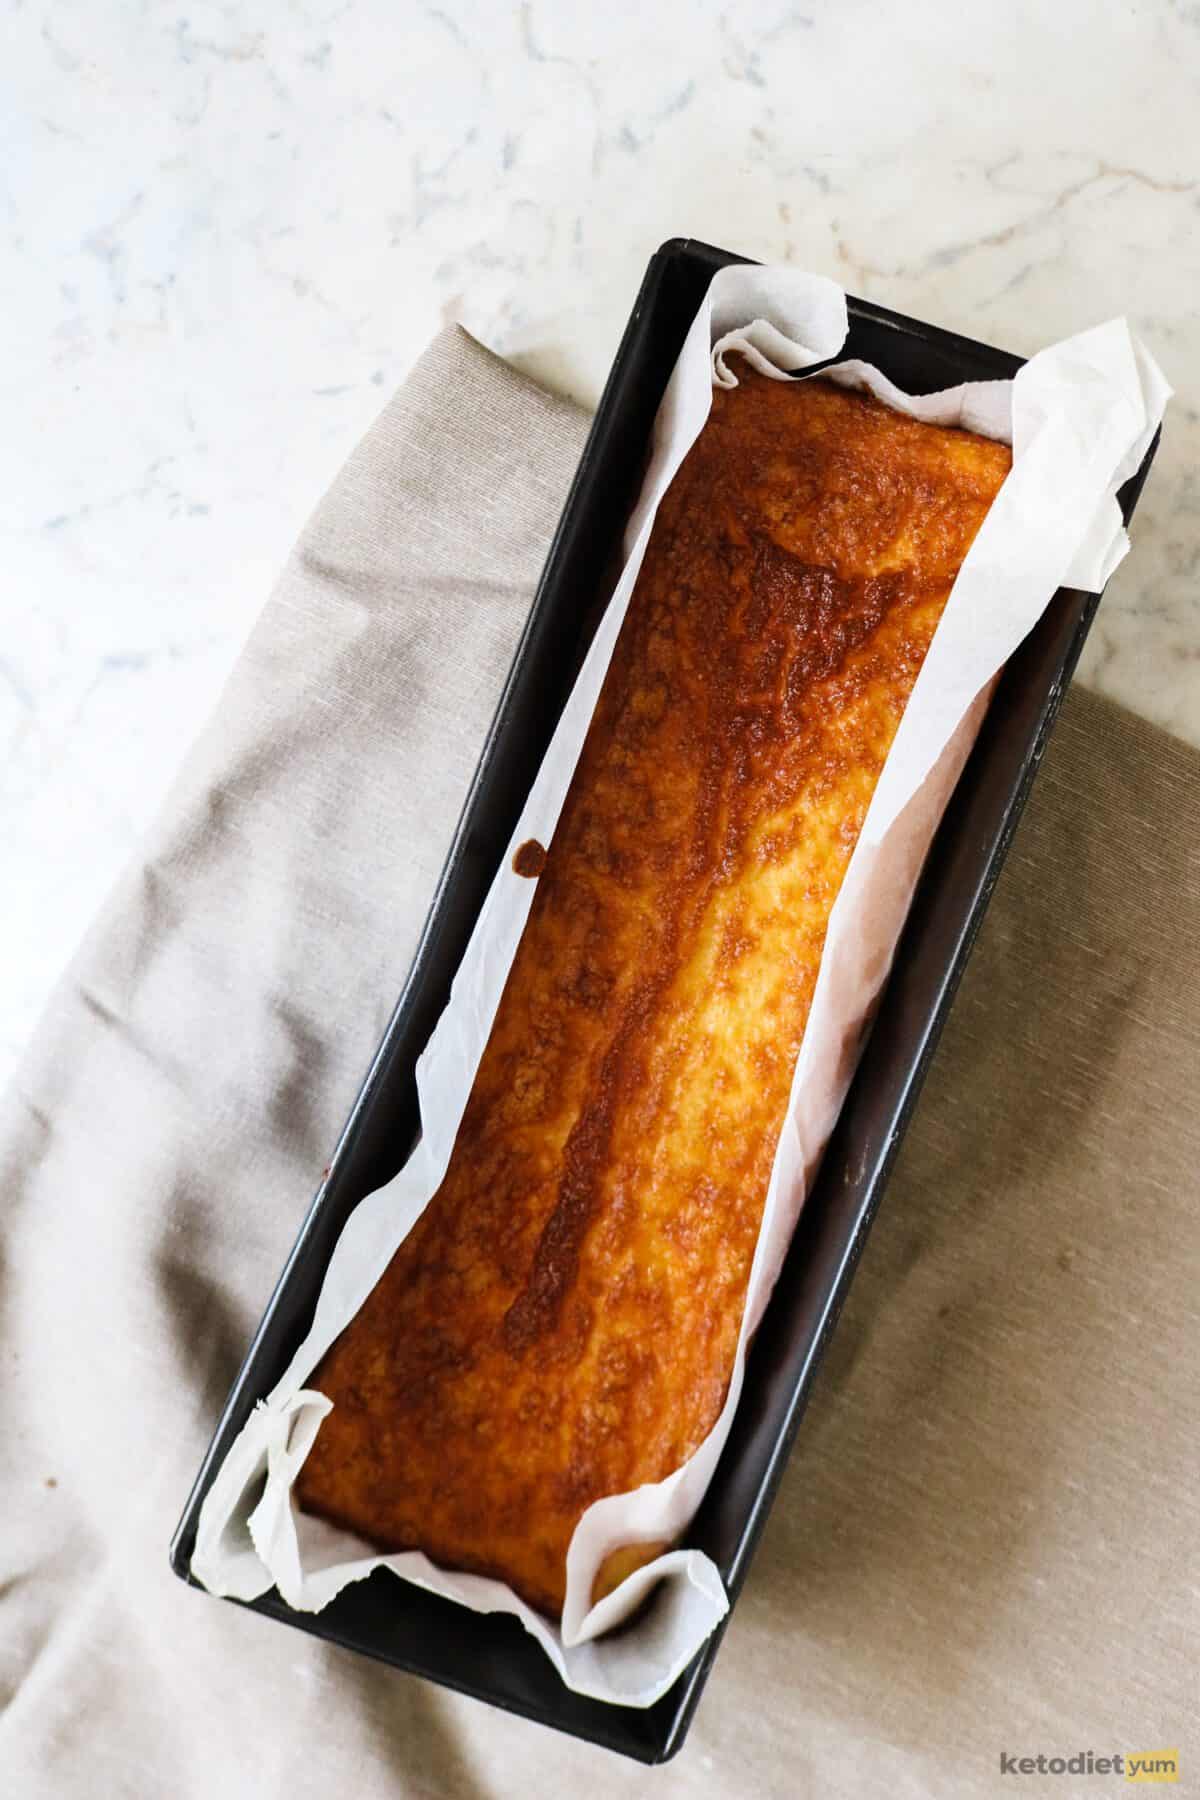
[(491, 1656)]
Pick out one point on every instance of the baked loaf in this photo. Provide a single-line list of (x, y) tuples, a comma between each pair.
[(561, 1322)]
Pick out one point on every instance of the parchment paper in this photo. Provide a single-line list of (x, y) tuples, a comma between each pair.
[(1079, 416)]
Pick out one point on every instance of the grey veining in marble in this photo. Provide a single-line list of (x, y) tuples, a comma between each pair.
[(225, 232)]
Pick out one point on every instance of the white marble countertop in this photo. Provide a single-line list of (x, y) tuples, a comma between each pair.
[(226, 233)]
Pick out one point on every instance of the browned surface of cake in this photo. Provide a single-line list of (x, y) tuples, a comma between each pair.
[(561, 1322)]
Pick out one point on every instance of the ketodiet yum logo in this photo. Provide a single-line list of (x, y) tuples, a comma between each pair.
[(1142, 1765)]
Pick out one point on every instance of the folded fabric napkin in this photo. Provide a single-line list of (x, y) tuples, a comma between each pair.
[(985, 1542)]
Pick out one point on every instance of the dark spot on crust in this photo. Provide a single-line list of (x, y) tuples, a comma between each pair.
[(530, 859)]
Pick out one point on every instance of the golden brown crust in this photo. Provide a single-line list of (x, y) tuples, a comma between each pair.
[(561, 1323)]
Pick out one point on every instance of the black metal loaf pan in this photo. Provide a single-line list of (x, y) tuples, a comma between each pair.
[(492, 1657)]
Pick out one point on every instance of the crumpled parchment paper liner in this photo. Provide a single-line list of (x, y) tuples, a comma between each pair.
[(1079, 416)]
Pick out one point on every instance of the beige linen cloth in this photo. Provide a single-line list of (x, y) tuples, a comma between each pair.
[(986, 1541)]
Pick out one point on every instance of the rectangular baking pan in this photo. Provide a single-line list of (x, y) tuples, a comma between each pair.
[(492, 1657)]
